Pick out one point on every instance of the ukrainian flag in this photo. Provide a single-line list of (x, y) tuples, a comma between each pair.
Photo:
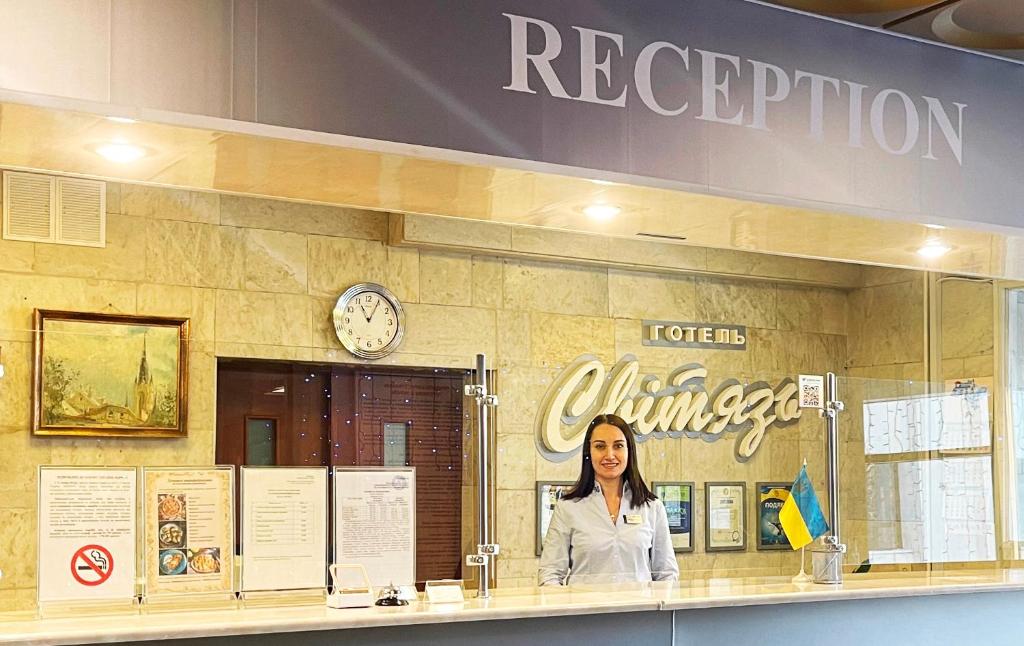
[(800, 516)]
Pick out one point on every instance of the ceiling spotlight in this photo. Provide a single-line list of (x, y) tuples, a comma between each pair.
[(602, 211), (122, 120), (933, 249), (120, 153), (936, 227)]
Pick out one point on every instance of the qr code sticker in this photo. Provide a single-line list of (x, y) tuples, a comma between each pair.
[(811, 396)]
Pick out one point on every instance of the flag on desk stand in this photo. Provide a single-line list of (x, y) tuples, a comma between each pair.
[(801, 516)]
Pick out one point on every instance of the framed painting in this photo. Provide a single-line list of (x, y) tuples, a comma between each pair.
[(109, 375)]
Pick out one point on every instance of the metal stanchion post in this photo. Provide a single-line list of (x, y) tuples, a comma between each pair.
[(486, 550), (827, 560)]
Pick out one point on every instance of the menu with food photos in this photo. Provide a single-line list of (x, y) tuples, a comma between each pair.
[(188, 529)]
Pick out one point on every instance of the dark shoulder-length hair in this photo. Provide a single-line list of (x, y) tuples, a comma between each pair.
[(641, 494)]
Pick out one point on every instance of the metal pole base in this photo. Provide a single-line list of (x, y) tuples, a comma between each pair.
[(827, 563)]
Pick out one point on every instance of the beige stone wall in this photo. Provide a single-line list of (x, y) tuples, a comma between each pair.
[(258, 279)]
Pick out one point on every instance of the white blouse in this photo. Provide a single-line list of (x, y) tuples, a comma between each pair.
[(583, 546)]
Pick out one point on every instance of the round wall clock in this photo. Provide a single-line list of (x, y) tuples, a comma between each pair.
[(369, 320)]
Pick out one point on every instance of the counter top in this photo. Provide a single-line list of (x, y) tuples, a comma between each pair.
[(515, 603)]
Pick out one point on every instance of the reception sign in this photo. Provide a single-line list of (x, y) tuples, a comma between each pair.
[(724, 96)]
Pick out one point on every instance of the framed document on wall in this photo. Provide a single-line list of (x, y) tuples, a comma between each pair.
[(770, 498), (725, 516), (678, 500), (548, 495)]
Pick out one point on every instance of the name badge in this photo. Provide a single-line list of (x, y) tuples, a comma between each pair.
[(633, 519)]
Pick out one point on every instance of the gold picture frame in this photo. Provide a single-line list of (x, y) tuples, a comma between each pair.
[(109, 375)]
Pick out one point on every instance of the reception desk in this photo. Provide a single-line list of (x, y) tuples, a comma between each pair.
[(980, 607)]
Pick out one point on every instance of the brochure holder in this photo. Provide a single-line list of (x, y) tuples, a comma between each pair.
[(86, 563), (283, 512), (194, 568), (350, 586)]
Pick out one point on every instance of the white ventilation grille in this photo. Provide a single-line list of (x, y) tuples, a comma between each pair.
[(42, 208), (81, 213)]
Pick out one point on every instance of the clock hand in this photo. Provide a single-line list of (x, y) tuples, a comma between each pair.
[(364, 313), (375, 306)]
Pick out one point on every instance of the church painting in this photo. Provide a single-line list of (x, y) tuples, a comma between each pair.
[(110, 375)]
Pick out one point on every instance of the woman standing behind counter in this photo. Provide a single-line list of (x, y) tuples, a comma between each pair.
[(610, 528)]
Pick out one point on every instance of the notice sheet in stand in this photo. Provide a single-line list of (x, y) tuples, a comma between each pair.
[(86, 534), (284, 528), (189, 538), (375, 523)]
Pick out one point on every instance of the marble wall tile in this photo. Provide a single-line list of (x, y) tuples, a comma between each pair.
[(559, 244), (566, 471), (18, 547), (17, 256), (19, 469), (238, 350), (169, 204), (335, 264), (812, 310), (275, 261), (515, 523), (21, 293), (456, 232), (521, 390), (515, 457), (488, 281), (456, 331), (563, 289), (644, 295), (513, 337), (875, 276), (556, 340), (272, 319), (123, 258), (113, 197), (446, 279), (196, 304), (517, 568), (663, 255), (660, 459), (967, 318), (200, 255), (403, 274), (202, 398), (744, 303), (16, 386), (319, 219), (744, 263), (979, 366), (886, 324)]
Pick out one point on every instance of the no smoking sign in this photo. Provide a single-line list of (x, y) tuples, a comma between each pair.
[(92, 565)]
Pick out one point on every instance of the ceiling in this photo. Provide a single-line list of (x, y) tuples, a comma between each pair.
[(219, 155), (991, 26)]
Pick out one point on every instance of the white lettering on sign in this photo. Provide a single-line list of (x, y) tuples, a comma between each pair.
[(895, 117), (682, 407)]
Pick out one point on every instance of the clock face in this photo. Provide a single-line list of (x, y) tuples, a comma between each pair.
[(368, 320)]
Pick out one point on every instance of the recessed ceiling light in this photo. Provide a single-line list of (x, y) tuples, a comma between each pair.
[(937, 227), (933, 249), (122, 120), (602, 182), (602, 211), (120, 153)]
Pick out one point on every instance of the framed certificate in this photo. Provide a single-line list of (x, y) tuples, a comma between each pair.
[(725, 517), (770, 498), (548, 495), (678, 500)]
